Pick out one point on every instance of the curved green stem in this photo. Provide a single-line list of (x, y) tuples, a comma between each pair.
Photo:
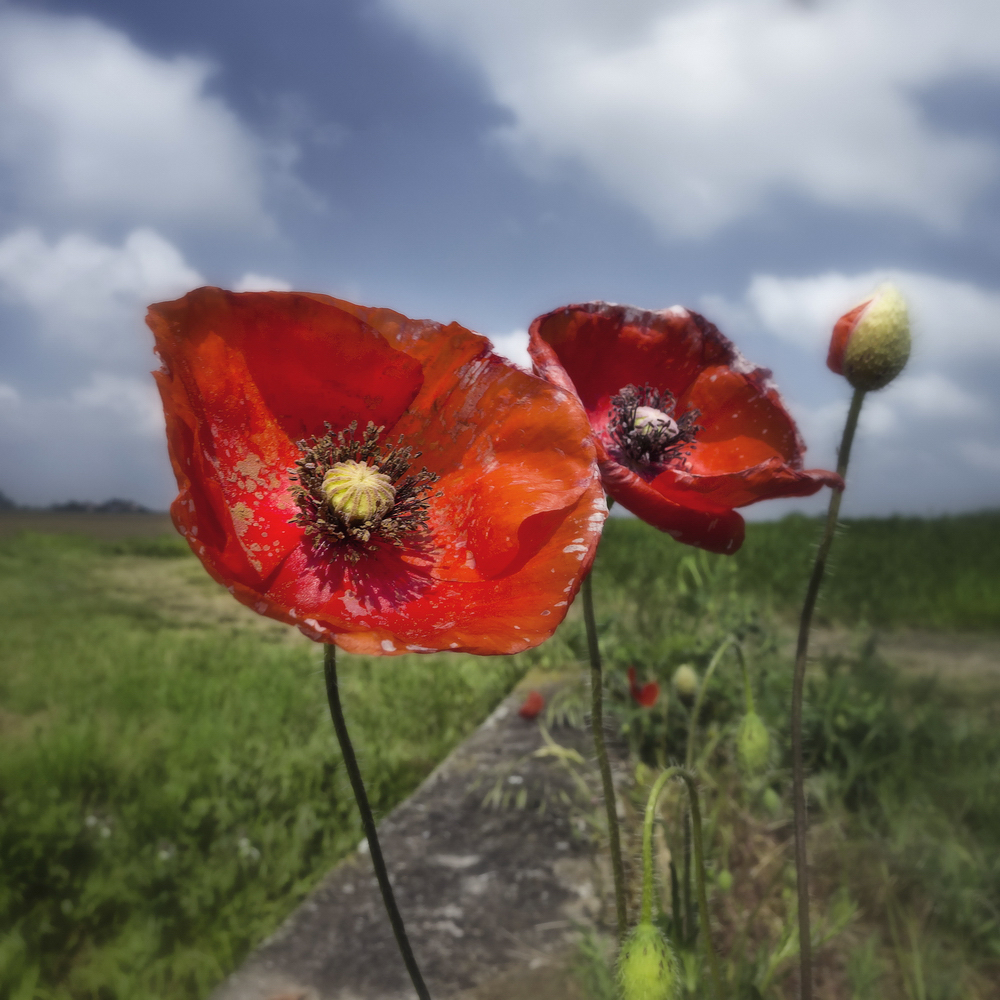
[(696, 711), (368, 821), (597, 725), (798, 688), (647, 843), (699, 860)]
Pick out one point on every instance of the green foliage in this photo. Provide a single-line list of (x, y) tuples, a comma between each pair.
[(929, 573), (170, 788)]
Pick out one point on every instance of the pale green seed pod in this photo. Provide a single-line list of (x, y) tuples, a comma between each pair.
[(686, 681), (753, 744), (871, 343), (358, 491), (647, 965)]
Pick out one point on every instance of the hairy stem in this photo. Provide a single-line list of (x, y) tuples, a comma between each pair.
[(798, 686), (597, 724), (368, 821), (699, 861)]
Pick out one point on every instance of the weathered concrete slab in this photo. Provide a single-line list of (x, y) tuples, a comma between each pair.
[(493, 898)]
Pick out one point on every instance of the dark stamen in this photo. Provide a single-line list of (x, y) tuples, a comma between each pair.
[(648, 449), (331, 530)]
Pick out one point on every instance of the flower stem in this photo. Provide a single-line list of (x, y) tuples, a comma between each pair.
[(702, 687), (647, 843), (368, 821), (699, 860), (597, 724), (798, 685)]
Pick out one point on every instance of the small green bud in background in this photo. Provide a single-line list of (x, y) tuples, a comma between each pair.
[(686, 682), (871, 343), (753, 744), (647, 966), (771, 801), (724, 880)]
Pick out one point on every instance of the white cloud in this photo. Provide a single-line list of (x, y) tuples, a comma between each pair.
[(253, 282), (936, 421), (513, 346), (89, 295), (951, 319), (134, 404), (696, 111), (91, 126)]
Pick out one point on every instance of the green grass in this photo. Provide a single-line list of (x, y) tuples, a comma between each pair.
[(938, 573), (904, 793), (170, 784)]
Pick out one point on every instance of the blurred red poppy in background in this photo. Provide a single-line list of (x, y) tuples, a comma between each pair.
[(387, 484), (686, 428), (642, 694), (532, 706)]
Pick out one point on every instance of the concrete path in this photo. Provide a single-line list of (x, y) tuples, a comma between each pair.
[(494, 896)]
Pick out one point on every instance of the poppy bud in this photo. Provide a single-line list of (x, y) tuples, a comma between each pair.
[(686, 681), (753, 744), (647, 966), (871, 343)]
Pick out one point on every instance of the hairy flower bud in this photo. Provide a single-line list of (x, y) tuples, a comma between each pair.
[(647, 966), (753, 744), (871, 343)]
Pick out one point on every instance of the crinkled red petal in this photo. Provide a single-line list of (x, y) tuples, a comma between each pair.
[(842, 331), (504, 556), (242, 375), (748, 447), (506, 446), (715, 530)]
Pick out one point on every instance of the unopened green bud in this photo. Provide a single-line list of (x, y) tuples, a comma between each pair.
[(647, 966), (686, 681), (724, 880), (753, 744), (871, 343)]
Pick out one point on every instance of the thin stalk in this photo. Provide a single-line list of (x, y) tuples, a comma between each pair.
[(699, 861), (798, 687), (597, 724), (696, 711), (368, 821), (647, 843), (699, 858)]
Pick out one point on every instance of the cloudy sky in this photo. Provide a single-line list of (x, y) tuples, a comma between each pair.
[(766, 162)]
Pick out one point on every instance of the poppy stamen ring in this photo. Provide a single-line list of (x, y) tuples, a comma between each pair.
[(645, 431), (354, 491)]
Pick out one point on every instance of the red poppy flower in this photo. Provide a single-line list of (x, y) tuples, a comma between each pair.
[(642, 694), (686, 429), (387, 484), (532, 706)]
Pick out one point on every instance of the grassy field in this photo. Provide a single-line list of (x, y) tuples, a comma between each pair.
[(170, 785)]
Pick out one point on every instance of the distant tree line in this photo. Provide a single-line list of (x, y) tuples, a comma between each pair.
[(116, 505)]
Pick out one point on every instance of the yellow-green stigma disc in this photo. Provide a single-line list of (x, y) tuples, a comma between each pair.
[(358, 492)]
